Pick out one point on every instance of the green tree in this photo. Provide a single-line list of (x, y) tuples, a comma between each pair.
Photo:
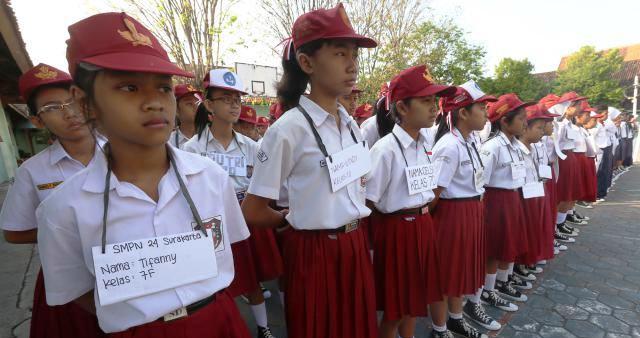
[(441, 45), (590, 73), (514, 76)]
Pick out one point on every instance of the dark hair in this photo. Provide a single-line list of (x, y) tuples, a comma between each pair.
[(495, 125), (602, 107), (443, 126), (201, 120), (294, 81), (31, 102), (85, 79), (384, 121), (394, 110)]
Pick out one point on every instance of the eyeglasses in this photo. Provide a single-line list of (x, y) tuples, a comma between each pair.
[(56, 108), (227, 99)]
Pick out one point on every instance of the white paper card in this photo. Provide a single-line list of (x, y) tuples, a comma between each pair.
[(348, 165), (234, 165), (532, 190), (518, 170), (424, 177), (478, 180), (556, 147), (140, 267), (545, 171)]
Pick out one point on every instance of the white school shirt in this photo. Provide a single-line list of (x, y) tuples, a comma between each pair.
[(387, 183), (531, 162), (592, 149), (369, 130), (70, 224), (498, 153), (562, 134), (581, 141), (600, 136), (624, 131), (457, 172), (35, 180), (177, 134), (244, 146), (289, 155)]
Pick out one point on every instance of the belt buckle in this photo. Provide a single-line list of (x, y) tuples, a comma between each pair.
[(424, 210), (179, 313), (351, 227)]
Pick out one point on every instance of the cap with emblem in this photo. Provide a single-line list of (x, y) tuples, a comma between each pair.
[(505, 104), (117, 41), (262, 121), (584, 105), (223, 78), (38, 76), (550, 100), (539, 111), (275, 110), (363, 111), (324, 24), (466, 94), (183, 90), (416, 82), (248, 114)]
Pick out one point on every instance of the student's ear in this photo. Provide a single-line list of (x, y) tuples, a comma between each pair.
[(463, 114), (305, 62), (402, 109), (37, 121)]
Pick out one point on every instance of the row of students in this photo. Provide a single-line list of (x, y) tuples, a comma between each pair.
[(439, 196)]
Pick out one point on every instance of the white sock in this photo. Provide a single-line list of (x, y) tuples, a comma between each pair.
[(260, 314), (440, 328), (510, 269), (455, 315), (502, 275), (490, 282), (562, 216), (281, 298), (476, 298)]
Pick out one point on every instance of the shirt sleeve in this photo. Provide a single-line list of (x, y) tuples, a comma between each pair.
[(274, 164), (380, 175), (489, 160), (234, 220), (449, 158), (19, 207), (61, 254)]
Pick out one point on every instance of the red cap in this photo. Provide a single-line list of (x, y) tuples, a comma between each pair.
[(465, 95), (415, 82), (595, 115), (275, 110), (571, 97), (182, 90), (355, 90), (549, 100), (38, 76), (262, 121), (539, 111), (365, 110), (327, 24), (119, 42), (506, 103), (586, 107), (248, 114)]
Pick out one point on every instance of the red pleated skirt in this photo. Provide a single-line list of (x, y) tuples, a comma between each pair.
[(566, 185), (61, 321), (461, 238), (220, 318), (537, 230), (329, 285), (590, 180), (580, 188), (549, 220), (406, 265), (265, 252), (505, 224), (245, 279)]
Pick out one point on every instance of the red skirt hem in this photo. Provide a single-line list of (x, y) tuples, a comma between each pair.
[(505, 224)]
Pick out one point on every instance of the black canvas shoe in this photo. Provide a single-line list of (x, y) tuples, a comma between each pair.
[(523, 273), (475, 313), (264, 332), (443, 334), (582, 218), (492, 298), (566, 231), (571, 218), (562, 238), (462, 329), (509, 292), (519, 283)]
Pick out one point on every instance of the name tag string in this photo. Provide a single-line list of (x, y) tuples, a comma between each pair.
[(316, 135), (466, 145), (235, 139), (183, 190), (402, 150)]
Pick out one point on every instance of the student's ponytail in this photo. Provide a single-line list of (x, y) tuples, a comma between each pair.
[(294, 80), (201, 120), (443, 123), (384, 121)]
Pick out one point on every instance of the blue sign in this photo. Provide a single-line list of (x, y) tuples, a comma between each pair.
[(229, 78)]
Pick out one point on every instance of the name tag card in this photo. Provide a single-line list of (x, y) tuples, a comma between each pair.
[(478, 180), (140, 267), (545, 171), (518, 170), (421, 178), (348, 165), (234, 165), (533, 190)]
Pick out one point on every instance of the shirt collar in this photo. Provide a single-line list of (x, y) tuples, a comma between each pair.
[(57, 153), (97, 171), (405, 139), (319, 115)]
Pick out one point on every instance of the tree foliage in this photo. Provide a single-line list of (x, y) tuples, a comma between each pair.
[(514, 76)]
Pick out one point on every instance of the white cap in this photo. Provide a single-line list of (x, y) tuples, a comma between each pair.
[(224, 79), (473, 89), (613, 113)]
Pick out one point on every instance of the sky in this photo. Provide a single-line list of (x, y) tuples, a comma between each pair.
[(541, 30)]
